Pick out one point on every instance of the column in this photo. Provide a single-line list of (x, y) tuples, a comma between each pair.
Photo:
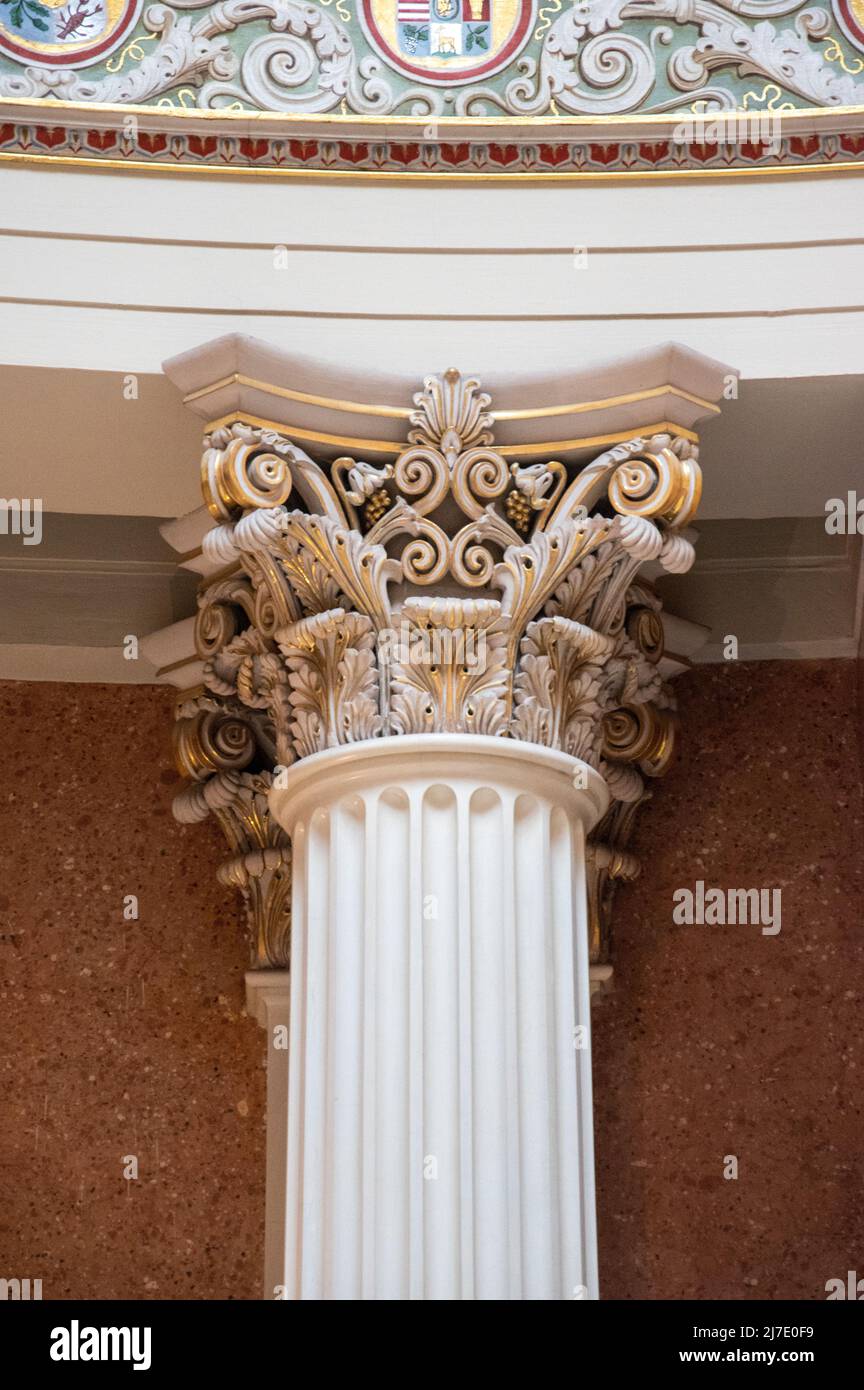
[(438, 1124), (422, 685)]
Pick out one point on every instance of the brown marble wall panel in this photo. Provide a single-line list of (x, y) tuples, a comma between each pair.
[(122, 1038), (718, 1040)]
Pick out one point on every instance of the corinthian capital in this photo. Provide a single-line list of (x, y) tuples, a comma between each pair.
[(452, 589)]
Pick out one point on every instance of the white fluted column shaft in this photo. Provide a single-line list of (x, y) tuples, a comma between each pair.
[(436, 1139)]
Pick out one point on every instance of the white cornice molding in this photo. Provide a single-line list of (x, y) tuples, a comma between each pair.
[(263, 124), (568, 413)]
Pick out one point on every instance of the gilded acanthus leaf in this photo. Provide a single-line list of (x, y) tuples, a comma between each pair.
[(333, 680)]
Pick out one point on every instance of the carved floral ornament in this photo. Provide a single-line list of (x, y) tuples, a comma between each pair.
[(449, 591), (593, 57)]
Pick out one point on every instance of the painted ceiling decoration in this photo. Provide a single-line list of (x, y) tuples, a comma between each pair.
[(65, 33), (437, 58)]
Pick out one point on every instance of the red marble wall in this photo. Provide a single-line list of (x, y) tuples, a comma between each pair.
[(124, 1038), (120, 1038), (721, 1041)]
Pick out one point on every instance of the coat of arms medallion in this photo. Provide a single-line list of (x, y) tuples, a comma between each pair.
[(65, 33), (448, 41)]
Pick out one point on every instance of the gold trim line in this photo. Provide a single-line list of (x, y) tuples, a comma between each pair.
[(307, 118), (396, 412), (852, 166), (176, 665), (387, 446)]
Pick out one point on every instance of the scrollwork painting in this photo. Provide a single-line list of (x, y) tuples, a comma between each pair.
[(437, 58)]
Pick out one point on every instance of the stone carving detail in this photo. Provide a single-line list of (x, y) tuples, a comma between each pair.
[(333, 679), (318, 627), (558, 686), (309, 62), (450, 675), (217, 745)]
